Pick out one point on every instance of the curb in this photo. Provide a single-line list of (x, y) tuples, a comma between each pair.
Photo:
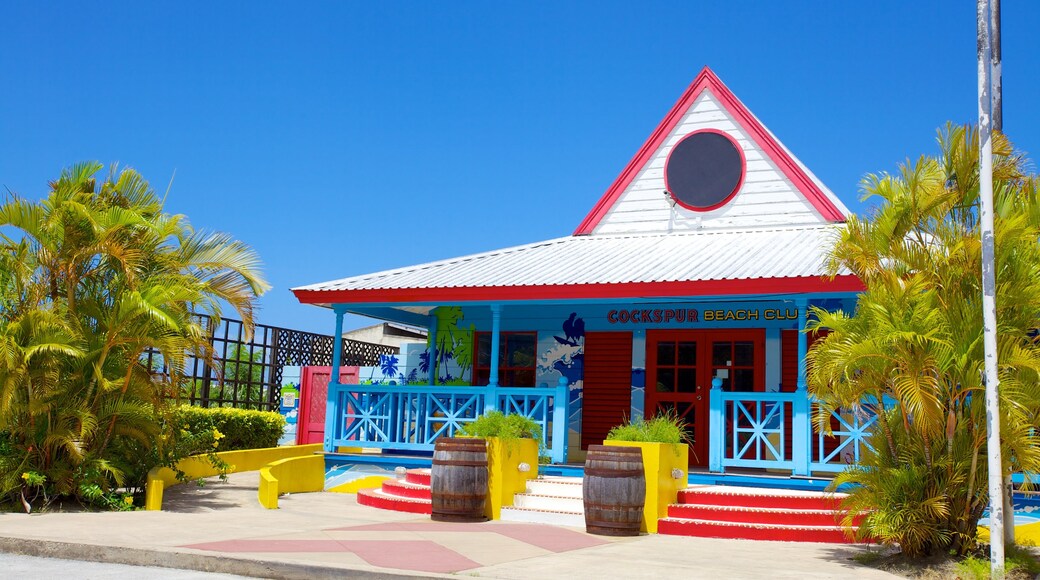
[(198, 562)]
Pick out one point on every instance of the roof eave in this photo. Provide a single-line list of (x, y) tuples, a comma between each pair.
[(567, 292)]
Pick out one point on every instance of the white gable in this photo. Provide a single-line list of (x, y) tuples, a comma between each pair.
[(767, 198)]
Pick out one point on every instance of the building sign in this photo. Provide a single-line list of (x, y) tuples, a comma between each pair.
[(681, 315), (652, 315), (752, 314)]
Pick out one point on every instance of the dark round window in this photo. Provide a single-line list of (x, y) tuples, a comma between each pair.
[(704, 170)]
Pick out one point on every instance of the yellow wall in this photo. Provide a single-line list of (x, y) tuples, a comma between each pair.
[(659, 459), (504, 476), (292, 475), (1025, 534), (367, 482), (198, 466)]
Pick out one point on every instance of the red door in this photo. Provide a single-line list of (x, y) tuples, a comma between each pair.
[(314, 388), (680, 365)]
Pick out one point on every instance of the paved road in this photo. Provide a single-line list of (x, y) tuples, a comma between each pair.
[(319, 536), (14, 566)]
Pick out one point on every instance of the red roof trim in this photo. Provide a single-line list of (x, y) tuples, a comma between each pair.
[(584, 291), (707, 80)]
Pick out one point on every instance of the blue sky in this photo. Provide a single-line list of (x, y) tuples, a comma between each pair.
[(340, 138)]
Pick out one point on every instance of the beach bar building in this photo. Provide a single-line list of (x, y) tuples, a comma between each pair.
[(685, 289)]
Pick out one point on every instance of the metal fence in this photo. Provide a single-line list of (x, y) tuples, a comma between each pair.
[(247, 374)]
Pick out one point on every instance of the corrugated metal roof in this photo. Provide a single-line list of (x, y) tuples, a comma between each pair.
[(791, 252)]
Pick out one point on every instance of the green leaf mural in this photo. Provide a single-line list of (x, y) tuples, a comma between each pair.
[(454, 346)]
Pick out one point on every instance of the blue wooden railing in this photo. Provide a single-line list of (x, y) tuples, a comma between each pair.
[(850, 431), (750, 430), (773, 431), (413, 417)]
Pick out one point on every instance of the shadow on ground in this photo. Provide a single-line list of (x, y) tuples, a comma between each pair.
[(211, 496)]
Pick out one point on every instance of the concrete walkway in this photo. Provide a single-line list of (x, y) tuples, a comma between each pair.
[(222, 528)]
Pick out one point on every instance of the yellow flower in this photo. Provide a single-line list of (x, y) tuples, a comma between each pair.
[(128, 500), (25, 475), (217, 435)]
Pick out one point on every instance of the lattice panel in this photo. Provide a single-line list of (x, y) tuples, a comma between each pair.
[(248, 373)]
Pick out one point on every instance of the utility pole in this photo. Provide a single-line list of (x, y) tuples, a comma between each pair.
[(989, 303), (997, 116), (997, 95)]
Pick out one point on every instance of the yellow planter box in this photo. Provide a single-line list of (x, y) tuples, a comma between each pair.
[(662, 489), (504, 476)]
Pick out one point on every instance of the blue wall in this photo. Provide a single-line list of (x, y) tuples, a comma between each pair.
[(561, 329)]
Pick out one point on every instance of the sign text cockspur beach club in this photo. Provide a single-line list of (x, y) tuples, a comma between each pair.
[(681, 315)]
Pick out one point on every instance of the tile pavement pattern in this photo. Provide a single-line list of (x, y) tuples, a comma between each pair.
[(423, 546)]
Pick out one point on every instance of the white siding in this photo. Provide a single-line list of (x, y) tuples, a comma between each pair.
[(766, 198)]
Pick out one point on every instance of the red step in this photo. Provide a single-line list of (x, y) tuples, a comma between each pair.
[(378, 499), (750, 531), (758, 498), (418, 476), (412, 494), (405, 489), (743, 514), (756, 514)]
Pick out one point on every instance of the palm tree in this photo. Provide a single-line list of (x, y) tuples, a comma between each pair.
[(912, 351), (100, 275)]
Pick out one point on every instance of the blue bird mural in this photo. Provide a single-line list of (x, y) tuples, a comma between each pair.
[(573, 330)]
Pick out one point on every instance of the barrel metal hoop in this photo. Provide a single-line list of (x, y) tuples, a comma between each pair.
[(612, 473), (460, 463)]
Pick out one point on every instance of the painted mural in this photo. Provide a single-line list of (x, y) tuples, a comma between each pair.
[(563, 356), (454, 347), (410, 367), (454, 357), (289, 403)]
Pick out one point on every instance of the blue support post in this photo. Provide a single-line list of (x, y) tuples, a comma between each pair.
[(432, 361), (801, 430), (638, 401), (716, 430), (332, 411), (561, 420), (491, 398)]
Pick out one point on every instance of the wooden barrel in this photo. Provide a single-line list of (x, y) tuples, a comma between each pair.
[(459, 480), (614, 490)]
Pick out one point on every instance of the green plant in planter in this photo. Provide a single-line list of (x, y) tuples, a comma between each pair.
[(665, 427), (505, 427), (508, 428)]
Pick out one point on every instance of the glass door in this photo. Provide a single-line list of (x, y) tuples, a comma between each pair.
[(680, 366), (676, 373)]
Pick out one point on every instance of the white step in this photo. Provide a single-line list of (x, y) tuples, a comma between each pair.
[(555, 486), (539, 516), (549, 502)]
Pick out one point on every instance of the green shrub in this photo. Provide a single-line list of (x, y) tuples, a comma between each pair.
[(661, 428), (497, 424), (235, 428)]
